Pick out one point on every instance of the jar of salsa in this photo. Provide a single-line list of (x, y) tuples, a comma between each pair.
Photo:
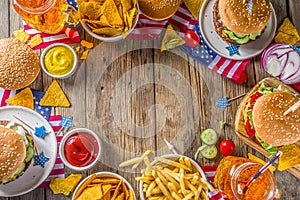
[(263, 188), (48, 16)]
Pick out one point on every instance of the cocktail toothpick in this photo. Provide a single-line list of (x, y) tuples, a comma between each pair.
[(224, 102), (292, 108), (65, 124), (170, 146)]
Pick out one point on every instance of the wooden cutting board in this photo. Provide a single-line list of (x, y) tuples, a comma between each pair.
[(239, 121)]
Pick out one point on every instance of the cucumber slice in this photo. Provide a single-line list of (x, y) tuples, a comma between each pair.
[(243, 40), (210, 152), (231, 35), (29, 154), (240, 35), (20, 170), (209, 136)]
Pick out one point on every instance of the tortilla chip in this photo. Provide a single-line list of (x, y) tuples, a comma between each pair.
[(87, 44), (23, 98), (108, 31), (287, 33), (36, 40), (21, 35), (171, 39), (110, 11), (194, 7), (55, 96), (127, 4), (77, 49), (92, 10), (290, 156), (84, 55), (91, 193), (64, 185), (254, 158)]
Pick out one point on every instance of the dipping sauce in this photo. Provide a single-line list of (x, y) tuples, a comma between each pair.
[(263, 187), (81, 149), (59, 60)]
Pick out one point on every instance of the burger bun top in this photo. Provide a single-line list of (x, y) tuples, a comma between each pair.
[(236, 17), (270, 123)]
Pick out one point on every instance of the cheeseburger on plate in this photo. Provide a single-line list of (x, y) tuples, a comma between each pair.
[(16, 151), (239, 21), (265, 120)]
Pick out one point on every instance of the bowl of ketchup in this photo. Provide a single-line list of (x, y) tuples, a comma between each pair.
[(80, 149)]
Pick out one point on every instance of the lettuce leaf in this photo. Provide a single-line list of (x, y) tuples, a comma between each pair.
[(272, 150)]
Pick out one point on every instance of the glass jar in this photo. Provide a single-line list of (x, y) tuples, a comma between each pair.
[(48, 16), (263, 188)]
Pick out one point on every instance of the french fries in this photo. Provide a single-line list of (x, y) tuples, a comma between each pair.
[(173, 180)]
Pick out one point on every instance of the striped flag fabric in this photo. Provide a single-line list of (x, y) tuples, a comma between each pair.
[(66, 36), (58, 170), (210, 172)]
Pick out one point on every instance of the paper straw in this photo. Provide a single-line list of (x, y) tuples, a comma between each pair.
[(262, 170)]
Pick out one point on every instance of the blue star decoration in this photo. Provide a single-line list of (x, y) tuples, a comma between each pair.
[(40, 160), (40, 131), (250, 6), (66, 122), (223, 103), (233, 49), (296, 49)]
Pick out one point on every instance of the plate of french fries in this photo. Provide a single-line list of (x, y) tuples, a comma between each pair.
[(172, 177)]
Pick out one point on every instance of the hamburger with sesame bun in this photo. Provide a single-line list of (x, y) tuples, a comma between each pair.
[(19, 64), (265, 121), (16, 151), (241, 21)]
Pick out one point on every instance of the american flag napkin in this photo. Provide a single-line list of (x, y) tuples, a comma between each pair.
[(66, 36), (58, 169), (45, 111)]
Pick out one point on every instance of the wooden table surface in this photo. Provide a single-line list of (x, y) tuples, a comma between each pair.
[(133, 96)]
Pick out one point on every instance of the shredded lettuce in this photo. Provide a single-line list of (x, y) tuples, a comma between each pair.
[(272, 150), (265, 90)]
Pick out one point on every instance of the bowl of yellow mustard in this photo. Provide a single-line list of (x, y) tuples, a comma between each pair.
[(59, 61)]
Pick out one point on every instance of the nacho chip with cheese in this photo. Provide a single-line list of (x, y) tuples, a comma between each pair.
[(171, 39), (23, 98), (55, 96)]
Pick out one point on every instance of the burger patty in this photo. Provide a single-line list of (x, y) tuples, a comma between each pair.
[(219, 26)]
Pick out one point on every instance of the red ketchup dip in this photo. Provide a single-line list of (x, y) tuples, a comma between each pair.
[(81, 149)]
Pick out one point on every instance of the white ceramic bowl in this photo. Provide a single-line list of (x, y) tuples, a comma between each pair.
[(93, 138), (67, 75), (174, 157), (112, 38), (105, 174)]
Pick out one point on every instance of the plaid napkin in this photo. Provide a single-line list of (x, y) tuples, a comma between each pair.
[(58, 169)]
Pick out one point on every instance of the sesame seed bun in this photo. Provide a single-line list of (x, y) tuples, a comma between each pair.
[(13, 153), (270, 123), (158, 9), (234, 14), (19, 64)]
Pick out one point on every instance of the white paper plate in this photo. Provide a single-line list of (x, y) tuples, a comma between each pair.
[(34, 175), (214, 41)]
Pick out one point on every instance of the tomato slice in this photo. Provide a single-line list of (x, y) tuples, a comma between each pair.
[(191, 38), (249, 129)]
